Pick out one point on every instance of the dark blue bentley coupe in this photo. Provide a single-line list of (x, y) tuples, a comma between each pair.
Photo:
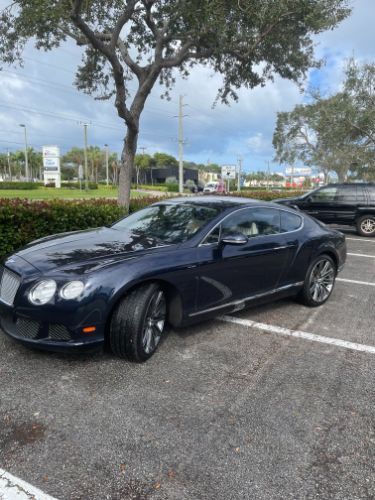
[(178, 261)]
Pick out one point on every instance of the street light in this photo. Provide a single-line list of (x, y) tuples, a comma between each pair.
[(106, 163), (26, 157)]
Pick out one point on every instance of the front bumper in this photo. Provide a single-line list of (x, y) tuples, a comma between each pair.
[(48, 335)]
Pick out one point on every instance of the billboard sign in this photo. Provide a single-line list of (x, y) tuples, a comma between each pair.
[(298, 171), (51, 165)]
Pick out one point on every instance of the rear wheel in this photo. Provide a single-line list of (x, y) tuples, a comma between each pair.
[(366, 225), (319, 281), (138, 323)]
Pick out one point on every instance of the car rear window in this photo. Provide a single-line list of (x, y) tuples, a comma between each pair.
[(289, 222)]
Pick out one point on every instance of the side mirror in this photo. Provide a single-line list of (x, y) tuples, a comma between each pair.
[(234, 239)]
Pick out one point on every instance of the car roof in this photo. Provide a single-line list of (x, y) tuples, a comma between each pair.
[(224, 202)]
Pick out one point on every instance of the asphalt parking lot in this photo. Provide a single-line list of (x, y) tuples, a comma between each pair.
[(272, 403)]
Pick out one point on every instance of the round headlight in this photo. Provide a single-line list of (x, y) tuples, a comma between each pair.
[(72, 290), (42, 292)]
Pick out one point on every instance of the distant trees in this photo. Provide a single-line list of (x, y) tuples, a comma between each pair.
[(336, 133), (12, 164)]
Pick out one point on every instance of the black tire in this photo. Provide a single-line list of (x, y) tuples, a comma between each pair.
[(366, 225), (314, 292), (131, 331)]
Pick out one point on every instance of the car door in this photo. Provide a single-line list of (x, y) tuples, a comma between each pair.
[(321, 204), (229, 273), (349, 198)]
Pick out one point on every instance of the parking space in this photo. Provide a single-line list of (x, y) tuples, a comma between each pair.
[(223, 410)]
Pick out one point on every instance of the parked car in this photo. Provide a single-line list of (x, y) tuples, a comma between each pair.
[(194, 187), (347, 204), (178, 261), (217, 187)]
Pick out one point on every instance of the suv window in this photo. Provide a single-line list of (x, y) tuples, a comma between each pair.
[(289, 222), (371, 191), (347, 193), (253, 222), (324, 194)]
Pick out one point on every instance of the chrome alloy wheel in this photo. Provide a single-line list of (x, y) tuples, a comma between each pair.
[(154, 321), (368, 226), (322, 279)]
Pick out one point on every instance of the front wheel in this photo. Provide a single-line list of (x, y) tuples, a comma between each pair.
[(138, 323), (319, 281), (366, 225)]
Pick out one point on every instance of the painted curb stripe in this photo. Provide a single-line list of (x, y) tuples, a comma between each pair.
[(11, 487), (356, 282), (361, 255), (278, 330)]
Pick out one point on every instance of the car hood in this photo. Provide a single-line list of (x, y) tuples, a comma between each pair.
[(69, 249)]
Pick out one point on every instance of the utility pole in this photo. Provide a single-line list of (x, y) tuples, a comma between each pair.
[(240, 160), (85, 156), (9, 167), (106, 163), (268, 174), (26, 154), (180, 147)]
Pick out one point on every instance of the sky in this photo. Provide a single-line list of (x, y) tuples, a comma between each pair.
[(42, 96)]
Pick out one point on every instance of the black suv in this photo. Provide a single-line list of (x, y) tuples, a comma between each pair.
[(350, 204)]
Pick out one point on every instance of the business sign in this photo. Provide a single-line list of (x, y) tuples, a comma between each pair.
[(51, 165), (228, 172), (298, 171)]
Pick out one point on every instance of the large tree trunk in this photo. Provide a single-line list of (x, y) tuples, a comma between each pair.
[(341, 175), (126, 168)]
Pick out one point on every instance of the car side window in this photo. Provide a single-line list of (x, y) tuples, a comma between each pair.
[(347, 193), (252, 222), (212, 237), (324, 194), (290, 222)]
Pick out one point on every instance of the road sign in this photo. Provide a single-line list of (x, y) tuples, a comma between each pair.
[(228, 172)]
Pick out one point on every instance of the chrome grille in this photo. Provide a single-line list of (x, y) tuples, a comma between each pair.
[(9, 285)]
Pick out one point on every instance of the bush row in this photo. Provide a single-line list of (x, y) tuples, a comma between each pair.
[(22, 221), (19, 185)]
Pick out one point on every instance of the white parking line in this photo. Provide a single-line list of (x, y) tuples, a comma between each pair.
[(13, 488), (360, 239), (361, 255), (298, 334), (356, 282)]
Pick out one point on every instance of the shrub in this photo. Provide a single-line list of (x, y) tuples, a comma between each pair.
[(19, 185), (172, 188), (22, 221), (75, 185)]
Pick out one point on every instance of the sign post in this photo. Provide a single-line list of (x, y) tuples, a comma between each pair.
[(51, 165)]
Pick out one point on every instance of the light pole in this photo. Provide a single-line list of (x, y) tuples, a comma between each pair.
[(85, 157), (26, 157), (106, 163)]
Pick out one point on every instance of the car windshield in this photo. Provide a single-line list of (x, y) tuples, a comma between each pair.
[(168, 223)]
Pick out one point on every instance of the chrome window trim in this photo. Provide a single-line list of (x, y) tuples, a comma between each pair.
[(281, 209), (240, 304)]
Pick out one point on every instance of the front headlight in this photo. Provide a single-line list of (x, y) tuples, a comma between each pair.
[(42, 292), (72, 290)]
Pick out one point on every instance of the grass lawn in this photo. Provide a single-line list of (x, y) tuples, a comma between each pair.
[(43, 193)]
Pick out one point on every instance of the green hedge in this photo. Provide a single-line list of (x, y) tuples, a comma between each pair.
[(267, 195), (19, 185), (22, 221)]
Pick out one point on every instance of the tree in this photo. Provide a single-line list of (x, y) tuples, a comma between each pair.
[(336, 133), (247, 42), (142, 162), (165, 160)]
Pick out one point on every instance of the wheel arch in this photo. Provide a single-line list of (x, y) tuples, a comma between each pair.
[(174, 301)]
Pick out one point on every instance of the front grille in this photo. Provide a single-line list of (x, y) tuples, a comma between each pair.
[(9, 284), (27, 329), (58, 332)]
